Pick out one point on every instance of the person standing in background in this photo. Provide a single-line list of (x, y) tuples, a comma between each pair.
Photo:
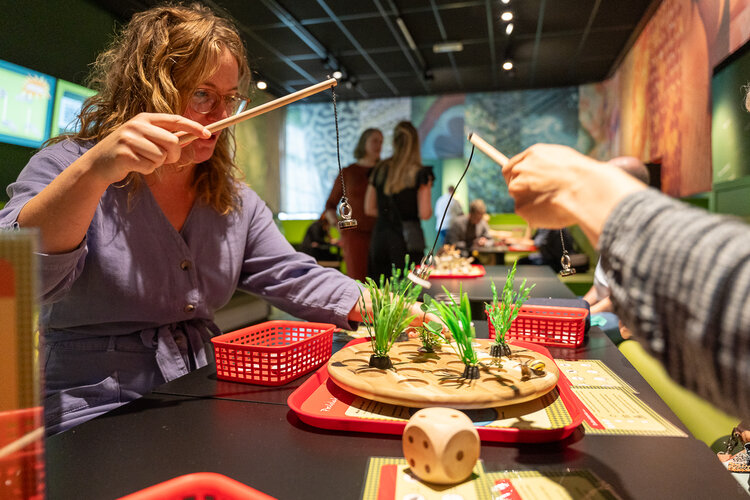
[(399, 195), (454, 209), (355, 242)]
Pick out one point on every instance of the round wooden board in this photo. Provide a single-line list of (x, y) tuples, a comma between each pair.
[(423, 380)]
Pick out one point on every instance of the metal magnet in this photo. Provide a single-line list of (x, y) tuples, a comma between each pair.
[(344, 214), (567, 270)]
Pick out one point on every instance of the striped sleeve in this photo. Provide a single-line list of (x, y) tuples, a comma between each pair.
[(680, 279)]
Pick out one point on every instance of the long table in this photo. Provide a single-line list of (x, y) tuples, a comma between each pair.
[(546, 285), (198, 423)]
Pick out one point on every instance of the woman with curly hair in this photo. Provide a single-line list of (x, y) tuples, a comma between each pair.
[(141, 240)]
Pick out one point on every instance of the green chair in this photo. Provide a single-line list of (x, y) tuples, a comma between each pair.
[(704, 421)]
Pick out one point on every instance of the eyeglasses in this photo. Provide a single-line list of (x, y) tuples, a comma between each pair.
[(205, 101)]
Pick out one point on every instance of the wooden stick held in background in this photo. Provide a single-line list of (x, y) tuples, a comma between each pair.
[(490, 151), (263, 108)]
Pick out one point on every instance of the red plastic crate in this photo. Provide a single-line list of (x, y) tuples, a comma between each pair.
[(22, 472), (199, 486), (272, 353), (547, 325)]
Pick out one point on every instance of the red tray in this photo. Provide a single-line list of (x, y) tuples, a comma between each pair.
[(480, 271), (199, 486), (334, 401)]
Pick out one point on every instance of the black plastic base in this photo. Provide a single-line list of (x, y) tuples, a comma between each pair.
[(471, 372), (499, 350), (382, 362)]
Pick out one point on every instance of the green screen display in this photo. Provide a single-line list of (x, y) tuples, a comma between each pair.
[(69, 99), (25, 105), (730, 122)]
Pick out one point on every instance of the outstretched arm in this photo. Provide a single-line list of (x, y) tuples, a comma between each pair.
[(556, 186)]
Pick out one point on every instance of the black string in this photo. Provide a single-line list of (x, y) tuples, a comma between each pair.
[(338, 154), (440, 228)]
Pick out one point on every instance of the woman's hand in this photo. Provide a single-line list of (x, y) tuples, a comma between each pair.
[(142, 144)]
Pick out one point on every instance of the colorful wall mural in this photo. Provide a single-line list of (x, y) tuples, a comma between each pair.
[(656, 107), (663, 88), (512, 121)]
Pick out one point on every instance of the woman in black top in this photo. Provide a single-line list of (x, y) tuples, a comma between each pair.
[(399, 196)]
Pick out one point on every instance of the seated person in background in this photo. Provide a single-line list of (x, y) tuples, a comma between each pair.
[(454, 209), (467, 231), (549, 245), (679, 277), (318, 242)]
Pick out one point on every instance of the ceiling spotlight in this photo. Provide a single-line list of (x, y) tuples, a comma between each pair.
[(506, 16), (507, 65), (509, 28), (337, 74), (261, 85), (506, 2)]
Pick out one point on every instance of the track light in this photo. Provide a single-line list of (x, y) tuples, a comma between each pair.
[(261, 85), (405, 31), (506, 2), (508, 65), (506, 16), (509, 28)]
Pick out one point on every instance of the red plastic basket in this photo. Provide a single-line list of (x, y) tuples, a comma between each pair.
[(199, 486), (547, 325), (22, 472), (272, 353)]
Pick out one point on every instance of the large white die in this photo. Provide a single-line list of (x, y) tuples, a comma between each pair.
[(441, 445)]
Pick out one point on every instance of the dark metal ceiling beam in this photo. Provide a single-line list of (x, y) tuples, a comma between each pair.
[(537, 41), (250, 33), (491, 40), (444, 36), (307, 38), (358, 46), (420, 68), (290, 22), (584, 37), (372, 15)]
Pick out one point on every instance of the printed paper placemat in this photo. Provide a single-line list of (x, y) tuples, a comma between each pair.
[(617, 411), (560, 485), (591, 373), (390, 478)]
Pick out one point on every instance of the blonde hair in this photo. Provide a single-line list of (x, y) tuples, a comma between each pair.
[(153, 66), (401, 169)]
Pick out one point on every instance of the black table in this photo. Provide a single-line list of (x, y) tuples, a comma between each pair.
[(197, 423), (547, 284)]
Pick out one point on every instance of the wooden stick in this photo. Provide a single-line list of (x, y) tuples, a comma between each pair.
[(22, 442), (485, 148), (263, 108)]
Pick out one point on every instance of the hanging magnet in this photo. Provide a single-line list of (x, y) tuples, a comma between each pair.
[(567, 270), (344, 213)]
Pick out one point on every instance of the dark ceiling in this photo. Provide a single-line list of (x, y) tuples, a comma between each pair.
[(296, 43)]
